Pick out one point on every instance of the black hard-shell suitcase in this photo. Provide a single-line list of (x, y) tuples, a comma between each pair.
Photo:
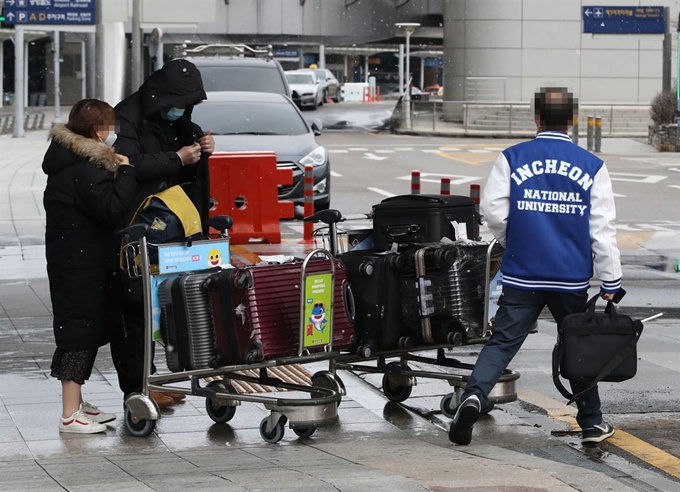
[(418, 219), (375, 283), (186, 322), (442, 295)]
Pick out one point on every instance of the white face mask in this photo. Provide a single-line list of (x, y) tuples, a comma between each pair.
[(110, 140)]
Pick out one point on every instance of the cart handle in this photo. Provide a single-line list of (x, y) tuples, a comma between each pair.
[(220, 222), (330, 216), (134, 232)]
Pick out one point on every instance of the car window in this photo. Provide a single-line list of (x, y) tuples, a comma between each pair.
[(239, 78), (321, 73), (249, 118), (300, 78)]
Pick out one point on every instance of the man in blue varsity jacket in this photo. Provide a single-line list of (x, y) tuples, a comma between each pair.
[(551, 204)]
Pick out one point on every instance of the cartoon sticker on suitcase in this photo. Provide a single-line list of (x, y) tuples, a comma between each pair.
[(318, 292)]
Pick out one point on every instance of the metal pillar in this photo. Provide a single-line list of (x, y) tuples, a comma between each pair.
[(159, 56), (301, 59), (91, 65), (25, 79), (2, 71), (401, 69), (667, 53), (56, 48), (407, 94), (422, 73), (590, 135), (322, 56), (598, 134), (83, 70), (136, 69), (366, 69), (18, 82), (345, 67)]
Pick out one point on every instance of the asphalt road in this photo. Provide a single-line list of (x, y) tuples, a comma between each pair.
[(368, 167)]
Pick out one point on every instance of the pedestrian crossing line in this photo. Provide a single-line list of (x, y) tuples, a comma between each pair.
[(450, 149), (430, 151), (648, 453), (358, 149), (495, 149), (479, 151), (337, 151), (336, 175), (381, 192), (384, 151), (404, 149), (674, 186)]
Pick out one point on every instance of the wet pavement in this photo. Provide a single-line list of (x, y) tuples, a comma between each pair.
[(376, 445)]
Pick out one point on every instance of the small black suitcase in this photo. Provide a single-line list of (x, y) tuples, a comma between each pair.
[(375, 284), (442, 295), (186, 322), (419, 219)]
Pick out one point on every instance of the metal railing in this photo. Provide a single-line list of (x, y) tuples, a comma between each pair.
[(512, 118)]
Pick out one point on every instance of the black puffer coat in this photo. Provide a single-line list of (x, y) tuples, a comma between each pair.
[(86, 196), (147, 139)]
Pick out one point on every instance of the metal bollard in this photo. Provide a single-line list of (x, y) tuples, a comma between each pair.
[(415, 182), (475, 194), (574, 131), (309, 204), (445, 187), (591, 132), (598, 134)]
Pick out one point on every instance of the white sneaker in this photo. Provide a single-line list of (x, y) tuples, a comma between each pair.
[(79, 423), (97, 415)]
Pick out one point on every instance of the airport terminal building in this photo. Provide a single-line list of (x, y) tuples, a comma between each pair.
[(610, 51)]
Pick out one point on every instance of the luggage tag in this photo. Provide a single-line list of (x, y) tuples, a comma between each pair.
[(461, 230)]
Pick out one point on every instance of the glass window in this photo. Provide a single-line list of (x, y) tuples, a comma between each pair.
[(300, 78), (239, 78), (321, 74), (249, 118)]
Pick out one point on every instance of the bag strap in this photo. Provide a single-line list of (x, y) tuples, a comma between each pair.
[(558, 352)]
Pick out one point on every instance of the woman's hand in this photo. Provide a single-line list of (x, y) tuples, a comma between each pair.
[(123, 160), (207, 142)]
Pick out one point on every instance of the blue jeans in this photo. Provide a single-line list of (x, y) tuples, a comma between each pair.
[(517, 312)]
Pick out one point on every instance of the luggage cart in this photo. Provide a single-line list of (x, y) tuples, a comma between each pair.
[(303, 415), (398, 377)]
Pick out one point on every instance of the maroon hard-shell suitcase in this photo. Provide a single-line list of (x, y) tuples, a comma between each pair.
[(257, 311)]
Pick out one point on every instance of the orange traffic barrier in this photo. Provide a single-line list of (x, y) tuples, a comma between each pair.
[(371, 94), (245, 185), (309, 204)]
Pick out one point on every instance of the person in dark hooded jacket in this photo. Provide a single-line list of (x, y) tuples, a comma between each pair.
[(166, 148), (89, 190)]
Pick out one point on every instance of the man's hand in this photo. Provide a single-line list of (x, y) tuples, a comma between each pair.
[(190, 154), (207, 142), (607, 296)]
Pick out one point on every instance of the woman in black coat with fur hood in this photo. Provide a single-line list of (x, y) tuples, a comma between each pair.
[(89, 190)]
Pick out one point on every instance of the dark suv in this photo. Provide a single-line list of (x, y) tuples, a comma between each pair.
[(238, 68)]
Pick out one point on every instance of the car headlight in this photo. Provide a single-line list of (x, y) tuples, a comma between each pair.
[(316, 157)]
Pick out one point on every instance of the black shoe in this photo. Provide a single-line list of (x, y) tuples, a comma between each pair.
[(597, 433), (467, 414)]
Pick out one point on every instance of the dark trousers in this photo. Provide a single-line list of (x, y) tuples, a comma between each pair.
[(517, 312), (127, 344)]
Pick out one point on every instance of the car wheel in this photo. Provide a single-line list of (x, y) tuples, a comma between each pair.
[(336, 99)]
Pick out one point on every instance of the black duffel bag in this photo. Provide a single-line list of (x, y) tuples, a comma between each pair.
[(595, 347)]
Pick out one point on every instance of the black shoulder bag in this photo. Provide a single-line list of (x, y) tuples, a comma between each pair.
[(595, 347)]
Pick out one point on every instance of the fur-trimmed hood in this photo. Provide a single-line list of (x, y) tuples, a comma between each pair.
[(96, 152)]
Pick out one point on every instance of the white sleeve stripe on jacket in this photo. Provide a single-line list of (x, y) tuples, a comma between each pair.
[(495, 202), (607, 260)]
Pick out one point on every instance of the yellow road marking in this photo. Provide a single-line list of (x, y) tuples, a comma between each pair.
[(633, 240), (449, 156), (648, 453)]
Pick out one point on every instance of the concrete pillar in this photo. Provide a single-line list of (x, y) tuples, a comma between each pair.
[(454, 86), (2, 71), (83, 69), (301, 61), (24, 82), (18, 82), (111, 48), (346, 69), (136, 66), (56, 49), (667, 56), (322, 56), (366, 69)]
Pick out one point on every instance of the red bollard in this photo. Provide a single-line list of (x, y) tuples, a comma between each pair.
[(445, 188), (415, 182), (475, 192), (309, 204)]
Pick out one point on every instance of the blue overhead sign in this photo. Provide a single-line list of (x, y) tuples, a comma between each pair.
[(623, 20), (50, 12)]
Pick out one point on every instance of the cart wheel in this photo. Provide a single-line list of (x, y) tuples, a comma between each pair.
[(445, 407), (395, 392), (140, 429), (328, 380), (277, 432), (303, 432), (220, 414)]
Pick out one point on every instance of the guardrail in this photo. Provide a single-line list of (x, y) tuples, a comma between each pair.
[(512, 118), (32, 121)]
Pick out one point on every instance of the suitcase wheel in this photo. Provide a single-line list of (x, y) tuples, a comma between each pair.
[(364, 351), (406, 342), (454, 338), (243, 279)]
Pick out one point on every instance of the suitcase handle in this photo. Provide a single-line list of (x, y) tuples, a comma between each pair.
[(401, 229)]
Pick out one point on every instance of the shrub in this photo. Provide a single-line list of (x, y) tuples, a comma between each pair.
[(663, 107)]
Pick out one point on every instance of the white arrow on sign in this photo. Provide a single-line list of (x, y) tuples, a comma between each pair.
[(373, 157), (588, 12), (10, 3), (10, 16)]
